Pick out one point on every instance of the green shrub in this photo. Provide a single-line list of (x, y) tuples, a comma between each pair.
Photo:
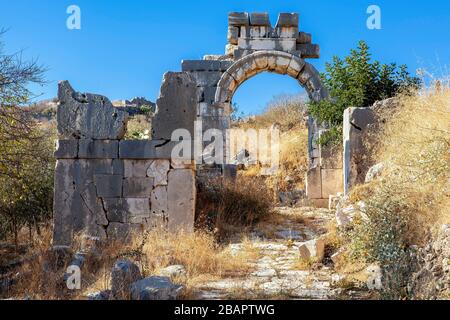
[(356, 81)]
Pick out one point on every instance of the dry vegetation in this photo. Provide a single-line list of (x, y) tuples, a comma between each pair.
[(288, 114), (407, 205), (41, 276)]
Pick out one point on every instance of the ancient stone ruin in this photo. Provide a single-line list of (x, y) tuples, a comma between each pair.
[(107, 187)]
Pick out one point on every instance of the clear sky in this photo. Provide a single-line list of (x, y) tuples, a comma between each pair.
[(124, 47)]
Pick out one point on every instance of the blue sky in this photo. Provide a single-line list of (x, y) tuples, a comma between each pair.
[(125, 47)]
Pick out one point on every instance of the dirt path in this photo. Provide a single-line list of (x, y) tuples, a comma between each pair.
[(279, 273)]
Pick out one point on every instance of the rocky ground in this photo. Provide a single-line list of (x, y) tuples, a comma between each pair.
[(279, 271)]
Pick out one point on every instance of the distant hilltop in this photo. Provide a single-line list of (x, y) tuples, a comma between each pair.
[(45, 110)]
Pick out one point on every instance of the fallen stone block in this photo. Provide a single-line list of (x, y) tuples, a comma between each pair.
[(313, 250), (173, 272), (99, 296), (155, 288), (123, 275), (88, 116), (374, 172)]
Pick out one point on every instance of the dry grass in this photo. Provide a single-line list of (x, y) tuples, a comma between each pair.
[(41, 276), (228, 208), (416, 145), (411, 198), (288, 114)]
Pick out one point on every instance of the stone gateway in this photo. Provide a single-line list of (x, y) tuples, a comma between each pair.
[(107, 187)]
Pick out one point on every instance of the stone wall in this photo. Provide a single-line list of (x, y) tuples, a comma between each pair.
[(107, 187)]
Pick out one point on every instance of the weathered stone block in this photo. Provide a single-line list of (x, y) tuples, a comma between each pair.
[(123, 274), (146, 149), (304, 38), (314, 249), (118, 167), (314, 183), (206, 78), (287, 32), (158, 170), (181, 198), (258, 32), (287, 45), (159, 201), (332, 182), (288, 20), (260, 19), (108, 186), (155, 288), (136, 168), (137, 187), (309, 50), (233, 34), (119, 231), (238, 19), (66, 149), (98, 149), (88, 116), (176, 105)]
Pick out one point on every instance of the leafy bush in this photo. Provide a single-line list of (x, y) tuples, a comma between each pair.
[(356, 81)]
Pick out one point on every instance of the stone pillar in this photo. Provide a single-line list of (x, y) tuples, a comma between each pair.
[(356, 121)]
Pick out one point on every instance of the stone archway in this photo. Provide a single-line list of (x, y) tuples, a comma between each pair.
[(279, 62)]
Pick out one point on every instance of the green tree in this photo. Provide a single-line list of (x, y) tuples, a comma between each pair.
[(26, 163), (356, 81)]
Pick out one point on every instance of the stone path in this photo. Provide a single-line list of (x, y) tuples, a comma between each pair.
[(278, 273)]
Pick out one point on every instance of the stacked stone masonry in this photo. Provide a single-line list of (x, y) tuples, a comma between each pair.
[(108, 188)]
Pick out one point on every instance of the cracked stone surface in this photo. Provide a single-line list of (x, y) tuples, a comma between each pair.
[(88, 116), (276, 273)]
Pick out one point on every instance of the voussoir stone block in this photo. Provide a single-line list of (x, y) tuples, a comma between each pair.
[(295, 67), (176, 105), (88, 116), (98, 149)]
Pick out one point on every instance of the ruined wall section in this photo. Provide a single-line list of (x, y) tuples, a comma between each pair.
[(109, 188)]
